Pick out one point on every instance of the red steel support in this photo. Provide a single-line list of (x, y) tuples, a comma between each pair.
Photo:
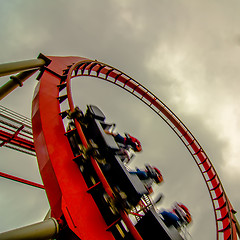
[(54, 152), (210, 176), (63, 181), (45, 139), (21, 180), (6, 137), (102, 178)]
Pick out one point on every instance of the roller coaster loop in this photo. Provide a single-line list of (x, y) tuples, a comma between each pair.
[(224, 212), (48, 131)]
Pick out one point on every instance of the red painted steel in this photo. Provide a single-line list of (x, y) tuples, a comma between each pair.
[(15, 131), (21, 180), (221, 204), (14, 139), (59, 164), (64, 184), (67, 195), (102, 178)]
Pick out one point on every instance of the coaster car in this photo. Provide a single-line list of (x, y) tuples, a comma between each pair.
[(112, 165)]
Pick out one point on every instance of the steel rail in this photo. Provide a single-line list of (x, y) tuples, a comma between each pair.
[(19, 149), (96, 167), (21, 180), (223, 210), (15, 117), (15, 140), (65, 186), (14, 128), (226, 223)]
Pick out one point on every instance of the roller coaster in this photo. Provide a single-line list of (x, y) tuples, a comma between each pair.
[(91, 190)]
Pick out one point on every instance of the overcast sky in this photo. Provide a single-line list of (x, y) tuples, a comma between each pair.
[(185, 52)]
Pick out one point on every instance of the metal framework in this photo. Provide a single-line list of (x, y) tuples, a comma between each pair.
[(49, 132), (16, 131), (64, 184), (224, 212), (28, 68), (21, 180)]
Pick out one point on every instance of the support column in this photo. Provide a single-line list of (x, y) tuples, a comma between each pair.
[(44, 230), (15, 67)]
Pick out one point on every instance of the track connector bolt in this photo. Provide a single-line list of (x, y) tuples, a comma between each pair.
[(76, 114)]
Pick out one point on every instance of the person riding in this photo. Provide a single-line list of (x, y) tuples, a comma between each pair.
[(148, 176), (127, 142), (178, 216)]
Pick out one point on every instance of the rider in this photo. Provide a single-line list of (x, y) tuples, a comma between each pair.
[(148, 176), (127, 141), (125, 144), (178, 216)]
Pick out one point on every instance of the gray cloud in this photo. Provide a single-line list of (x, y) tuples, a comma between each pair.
[(187, 53)]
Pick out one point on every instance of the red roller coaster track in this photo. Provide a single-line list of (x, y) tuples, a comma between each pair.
[(224, 212), (67, 194)]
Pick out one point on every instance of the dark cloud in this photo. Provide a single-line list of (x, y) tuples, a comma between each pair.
[(187, 53)]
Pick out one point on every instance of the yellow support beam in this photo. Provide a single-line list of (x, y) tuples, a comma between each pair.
[(14, 82), (44, 230), (15, 67), (26, 68)]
